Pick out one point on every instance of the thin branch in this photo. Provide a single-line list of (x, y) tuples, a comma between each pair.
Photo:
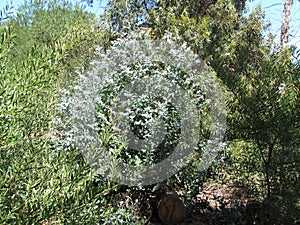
[(276, 4)]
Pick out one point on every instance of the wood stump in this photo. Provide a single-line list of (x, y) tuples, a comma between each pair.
[(171, 209)]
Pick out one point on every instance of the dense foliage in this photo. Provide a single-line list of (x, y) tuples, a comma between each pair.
[(47, 43)]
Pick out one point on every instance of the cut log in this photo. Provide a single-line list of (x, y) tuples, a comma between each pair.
[(171, 209)]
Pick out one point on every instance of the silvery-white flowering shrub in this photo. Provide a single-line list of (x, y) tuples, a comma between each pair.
[(138, 103)]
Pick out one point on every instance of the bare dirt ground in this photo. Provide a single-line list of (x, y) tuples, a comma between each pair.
[(219, 205)]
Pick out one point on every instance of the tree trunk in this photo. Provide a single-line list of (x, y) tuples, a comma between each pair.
[(285, 24)]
